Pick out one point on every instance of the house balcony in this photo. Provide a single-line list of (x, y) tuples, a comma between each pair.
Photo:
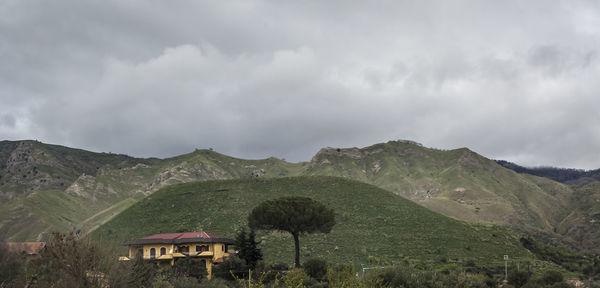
[(194, 254), (161, 257), (174, 255)]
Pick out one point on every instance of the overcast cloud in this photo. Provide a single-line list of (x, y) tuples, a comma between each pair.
[(514, 80)]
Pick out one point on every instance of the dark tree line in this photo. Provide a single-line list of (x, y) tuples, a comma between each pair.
[(563, 175)]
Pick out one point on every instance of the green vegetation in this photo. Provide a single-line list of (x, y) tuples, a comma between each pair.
[(69, 262), (457, 183), (373, 225), (35, 178), (295, 215), (247, 248), (315, 268), (570, 260), (12, 268), (583, 223)]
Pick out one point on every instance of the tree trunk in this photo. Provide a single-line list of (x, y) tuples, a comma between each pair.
[(297, 244)]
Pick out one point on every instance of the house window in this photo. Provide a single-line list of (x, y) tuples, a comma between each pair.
[(201, 248), (163, 251), (152, 252), (184, 250)]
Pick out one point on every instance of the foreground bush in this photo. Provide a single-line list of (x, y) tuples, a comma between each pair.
[(12, 268), (315, 268), (408, 277), (231, 269), (69, 262)]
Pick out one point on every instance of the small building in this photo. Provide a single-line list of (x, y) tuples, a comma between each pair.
[(31, 249), (165, 249), (575, 283)]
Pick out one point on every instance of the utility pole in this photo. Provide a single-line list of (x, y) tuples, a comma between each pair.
[(505, 268)]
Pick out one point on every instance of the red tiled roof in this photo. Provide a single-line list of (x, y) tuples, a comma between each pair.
[(178, 238), (30, 248), (184, 235)]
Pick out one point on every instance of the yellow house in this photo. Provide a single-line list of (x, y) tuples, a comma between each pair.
[(164, 249)]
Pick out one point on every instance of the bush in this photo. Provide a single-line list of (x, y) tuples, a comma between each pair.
[(213, 283), (518, 279), (345, 276), (279, 267), (409, 277), (552, 276), (142, 273), (12, 268), (295, 278), (188, 267), (230, 269), (315, 268), (185, 282), (67, 261)]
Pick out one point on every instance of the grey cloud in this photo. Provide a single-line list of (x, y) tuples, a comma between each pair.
[(257, 79), (554, 60), (8, 120)]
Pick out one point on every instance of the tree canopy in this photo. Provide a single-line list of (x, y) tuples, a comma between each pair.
[(293, 214)]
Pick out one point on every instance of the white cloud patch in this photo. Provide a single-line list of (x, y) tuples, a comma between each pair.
[(258, 79)]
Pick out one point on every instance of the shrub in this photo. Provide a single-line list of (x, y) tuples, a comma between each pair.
[(142, 273), (68, 262), (230, 269), (188, 267), (552, 276), (315, 268), (295, 278), (518, 279), (12, 268), (279, 266), (213, 283), (185, 282)]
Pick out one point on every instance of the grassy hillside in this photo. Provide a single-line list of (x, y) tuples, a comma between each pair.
[(583, 223), (372, 224), (457, 183), (48, 187)]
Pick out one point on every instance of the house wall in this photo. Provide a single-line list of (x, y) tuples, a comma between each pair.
[(147, 248), (133, 250), (218, 250)]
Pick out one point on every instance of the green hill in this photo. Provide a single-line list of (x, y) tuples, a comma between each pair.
[(49, 187), (373, 225), (37, 192), (457, 183)]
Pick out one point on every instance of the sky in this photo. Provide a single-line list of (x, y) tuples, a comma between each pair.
[(512, 80)]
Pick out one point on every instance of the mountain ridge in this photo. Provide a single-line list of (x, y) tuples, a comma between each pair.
[(458, 183)]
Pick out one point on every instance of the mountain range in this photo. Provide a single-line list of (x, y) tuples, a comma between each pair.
[(48, 187)]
